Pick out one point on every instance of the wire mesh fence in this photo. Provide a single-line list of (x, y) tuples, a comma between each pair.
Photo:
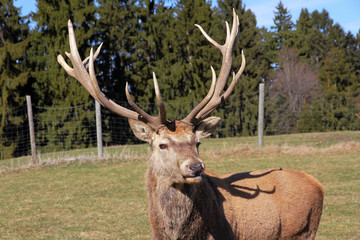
[(15, 139), (63, 129)]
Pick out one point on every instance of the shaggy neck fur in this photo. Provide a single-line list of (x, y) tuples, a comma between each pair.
[(180, 212)]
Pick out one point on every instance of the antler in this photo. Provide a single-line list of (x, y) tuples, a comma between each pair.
[(88, 80), (214, 97)]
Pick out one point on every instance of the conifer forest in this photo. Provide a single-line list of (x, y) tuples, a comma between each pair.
[(309, 64)]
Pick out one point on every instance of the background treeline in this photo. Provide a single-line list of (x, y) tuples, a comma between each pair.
[(311, 67)]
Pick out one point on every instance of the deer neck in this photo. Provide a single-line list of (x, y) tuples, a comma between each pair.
[(171, 206)]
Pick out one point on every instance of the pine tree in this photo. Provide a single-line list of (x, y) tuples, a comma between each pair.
[(335, 55), (118, 28), (155, 32), (312, 117), (53, 87), (283, 29), (281, 35), (337, 73), (322, 21), (340, 88), (184, 70), (14, 74), (242, 106), (311, 36)]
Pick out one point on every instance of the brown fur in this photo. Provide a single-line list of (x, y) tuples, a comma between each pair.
[(271, 204), (268, 204)]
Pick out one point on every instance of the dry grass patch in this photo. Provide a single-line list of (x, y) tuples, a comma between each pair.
[(122, 154), (276, 150)]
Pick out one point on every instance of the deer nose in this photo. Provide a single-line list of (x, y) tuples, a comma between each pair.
[(196, 170)]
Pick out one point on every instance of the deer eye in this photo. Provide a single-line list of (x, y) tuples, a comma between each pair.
[(163, 146)]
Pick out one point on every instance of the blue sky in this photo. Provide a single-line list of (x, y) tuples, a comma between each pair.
[(344, 12)]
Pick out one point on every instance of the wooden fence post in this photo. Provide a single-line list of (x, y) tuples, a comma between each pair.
[(261, 116), (32, 130), (98, 129)]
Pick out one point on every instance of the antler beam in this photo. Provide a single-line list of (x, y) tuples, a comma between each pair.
[(88, 80), (215, 96)]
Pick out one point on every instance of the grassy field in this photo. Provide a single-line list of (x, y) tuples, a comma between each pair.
[(74, 196)]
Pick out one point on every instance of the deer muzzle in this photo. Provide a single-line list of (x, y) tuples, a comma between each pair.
[(194, 173)]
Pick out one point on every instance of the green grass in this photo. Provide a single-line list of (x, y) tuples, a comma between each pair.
[(85, 198)]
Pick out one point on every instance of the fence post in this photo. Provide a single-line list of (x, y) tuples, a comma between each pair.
[(261, 116), (32, 130), (98, 129)]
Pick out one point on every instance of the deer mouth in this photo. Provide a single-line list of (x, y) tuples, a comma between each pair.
[(193, 180), (194, 174)]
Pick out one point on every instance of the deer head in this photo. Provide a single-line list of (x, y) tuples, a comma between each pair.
[(175, 155)]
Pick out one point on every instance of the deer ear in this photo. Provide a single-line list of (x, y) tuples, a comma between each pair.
[(141, 130), (207, 126)]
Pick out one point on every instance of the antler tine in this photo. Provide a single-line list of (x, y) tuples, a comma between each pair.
[(236, 77), (161, 118), (101, 98), (141, 112), (78, 71), (226, 51), (212, 41), (162, 111), (86, 61), (203, 103), (202, 110), (88, 80), (228, 91)]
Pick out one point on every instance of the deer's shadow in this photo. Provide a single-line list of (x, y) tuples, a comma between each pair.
[(232, 184)]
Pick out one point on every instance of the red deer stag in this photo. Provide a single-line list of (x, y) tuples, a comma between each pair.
[(188, 202)]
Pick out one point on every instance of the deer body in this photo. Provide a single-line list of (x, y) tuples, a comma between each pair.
[(269, 204), (218, 209), (187, 202)]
